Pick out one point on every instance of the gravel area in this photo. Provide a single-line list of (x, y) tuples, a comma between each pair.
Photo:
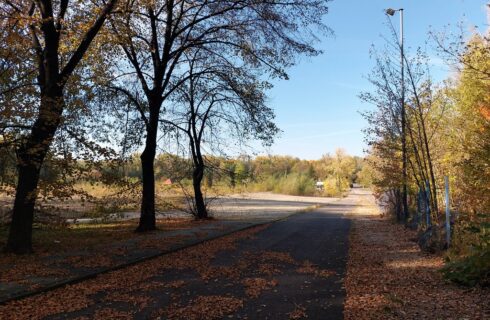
[(247, 206)]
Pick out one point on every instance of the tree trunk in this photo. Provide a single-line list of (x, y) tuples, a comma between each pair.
[(197, 177), (147, 217), (20, 235), (30, 158)]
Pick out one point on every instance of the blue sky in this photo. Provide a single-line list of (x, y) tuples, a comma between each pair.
[(318, 108)]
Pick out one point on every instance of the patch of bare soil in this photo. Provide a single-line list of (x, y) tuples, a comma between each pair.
[(388, 277)]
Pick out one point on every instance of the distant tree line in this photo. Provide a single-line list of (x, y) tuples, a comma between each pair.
[(281, 174)]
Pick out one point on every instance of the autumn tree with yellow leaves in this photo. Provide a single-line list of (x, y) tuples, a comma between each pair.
[(45, 41)]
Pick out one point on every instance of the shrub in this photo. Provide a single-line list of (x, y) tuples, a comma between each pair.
[(470, 270), (469, 259), (296, 185)]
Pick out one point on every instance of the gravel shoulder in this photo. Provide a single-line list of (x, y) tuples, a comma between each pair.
[(247, 206)]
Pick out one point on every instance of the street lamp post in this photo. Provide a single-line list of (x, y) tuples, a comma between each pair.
[(391, 12)]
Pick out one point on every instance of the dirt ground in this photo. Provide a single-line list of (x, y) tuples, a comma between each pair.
[(388, 277)]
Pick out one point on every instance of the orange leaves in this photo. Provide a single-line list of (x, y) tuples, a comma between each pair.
[(204, 308), (132, 285), (283, 257), (309, 268), (389, 278), (485, 111), (255, 286), (298, 313), (109, 313)]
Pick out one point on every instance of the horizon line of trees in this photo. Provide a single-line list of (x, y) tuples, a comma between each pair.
[(281, 174)]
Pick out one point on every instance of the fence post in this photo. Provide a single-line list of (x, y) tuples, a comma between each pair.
[(448, 212), (427, 204)]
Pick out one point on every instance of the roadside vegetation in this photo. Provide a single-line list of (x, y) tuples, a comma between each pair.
[(447, 137), (389, 277)]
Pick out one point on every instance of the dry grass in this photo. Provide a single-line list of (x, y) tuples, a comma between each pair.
[(99, 200)]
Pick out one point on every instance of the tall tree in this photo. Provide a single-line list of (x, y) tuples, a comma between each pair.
[(384, 133), (220, 104), (467, 150), (58, 39)]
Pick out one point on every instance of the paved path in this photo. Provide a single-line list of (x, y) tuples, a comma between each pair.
[(316, 239), (291, 269), (232, 214), (320, 237)]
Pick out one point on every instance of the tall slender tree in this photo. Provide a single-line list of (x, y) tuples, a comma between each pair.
[(384, 133), (220, 104)]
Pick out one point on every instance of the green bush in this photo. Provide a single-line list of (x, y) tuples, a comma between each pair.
[(472, 267), (470, 270), (296, 184)]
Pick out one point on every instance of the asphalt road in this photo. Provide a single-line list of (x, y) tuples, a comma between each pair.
[(320, 237), (290, 269)]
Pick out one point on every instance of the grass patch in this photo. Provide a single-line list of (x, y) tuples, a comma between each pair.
[(49, 239)]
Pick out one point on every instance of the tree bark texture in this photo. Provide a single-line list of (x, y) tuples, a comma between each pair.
[(197, 176), (147, 220), (30, 158)]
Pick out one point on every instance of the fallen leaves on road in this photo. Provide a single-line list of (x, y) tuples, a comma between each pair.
[(173, 286), (199, 257), (97, 260), (22, 268), (110, 313), (388, 277), (133, 279), (204, 308), (284, 257), (255, 286), (309, 268), (59, 249), (298, 313), (134, 298)]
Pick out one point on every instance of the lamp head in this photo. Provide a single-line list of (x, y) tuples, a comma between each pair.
[(390, 11)]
